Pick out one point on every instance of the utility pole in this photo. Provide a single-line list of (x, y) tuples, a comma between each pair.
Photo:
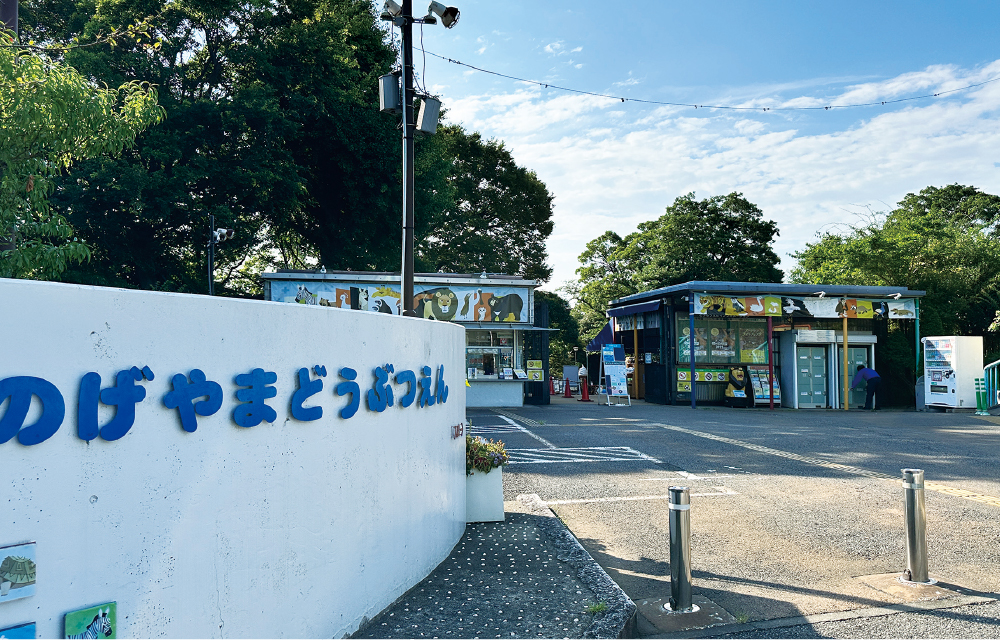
[(8, 14), (408, 125)]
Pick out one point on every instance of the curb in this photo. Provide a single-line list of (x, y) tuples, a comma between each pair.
[(620, 619), (836, 616)]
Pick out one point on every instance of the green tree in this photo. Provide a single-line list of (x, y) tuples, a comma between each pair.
[(501, 214), (50, 117), (943, 241), (561, 342), (933, 241), (273, 127), (718, 238)]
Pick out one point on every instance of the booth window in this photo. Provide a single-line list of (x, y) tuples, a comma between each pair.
[(723, 340), (489, 353)]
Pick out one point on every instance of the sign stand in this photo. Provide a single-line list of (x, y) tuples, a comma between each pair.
[(614, 376)]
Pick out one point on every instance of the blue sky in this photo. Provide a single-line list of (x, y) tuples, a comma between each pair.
[(612, 165)]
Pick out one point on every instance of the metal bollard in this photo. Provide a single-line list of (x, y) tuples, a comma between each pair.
[(916, 526), (680, 550)]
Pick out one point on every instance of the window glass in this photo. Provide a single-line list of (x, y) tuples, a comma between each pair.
[(723, 340)]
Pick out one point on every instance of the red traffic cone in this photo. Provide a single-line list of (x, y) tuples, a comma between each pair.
[(569, 392), (584, 390)]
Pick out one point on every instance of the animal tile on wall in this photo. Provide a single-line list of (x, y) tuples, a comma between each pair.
[(93, 622), (17, 571), (21, 631)]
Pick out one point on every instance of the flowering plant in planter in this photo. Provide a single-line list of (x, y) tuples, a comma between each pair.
[(483, 455)]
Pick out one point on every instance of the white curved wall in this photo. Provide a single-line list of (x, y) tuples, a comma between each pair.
[(285, 529)]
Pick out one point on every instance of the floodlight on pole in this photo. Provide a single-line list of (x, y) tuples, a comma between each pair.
[(449, 15), (402, 17)]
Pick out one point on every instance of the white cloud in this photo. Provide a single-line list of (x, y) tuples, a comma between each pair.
[(611, 166), (555, 48)]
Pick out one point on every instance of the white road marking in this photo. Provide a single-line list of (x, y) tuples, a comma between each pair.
[(577, 454), (682, 478), (819, 462), (722, 491), (524, 430), (493, 428)]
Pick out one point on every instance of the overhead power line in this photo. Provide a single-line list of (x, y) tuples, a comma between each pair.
[(549, 85)]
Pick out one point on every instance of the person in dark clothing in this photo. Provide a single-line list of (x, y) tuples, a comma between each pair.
[(873, 380)]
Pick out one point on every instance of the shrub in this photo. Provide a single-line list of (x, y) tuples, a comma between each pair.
[(483, 455)]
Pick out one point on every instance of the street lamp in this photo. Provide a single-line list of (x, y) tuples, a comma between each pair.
[(575, 351), (402, 17)]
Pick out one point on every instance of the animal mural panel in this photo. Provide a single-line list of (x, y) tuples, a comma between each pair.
[(92, 623), (384, 299), (17, 571), (437, 304), (449, 303), (717, 306), (506, 309)]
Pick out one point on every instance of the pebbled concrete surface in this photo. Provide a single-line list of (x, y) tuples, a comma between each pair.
[(525, 577)]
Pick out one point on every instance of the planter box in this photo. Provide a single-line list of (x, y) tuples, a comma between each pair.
[(484, 496)]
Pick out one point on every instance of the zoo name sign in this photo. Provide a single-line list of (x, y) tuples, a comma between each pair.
[(193, 395)]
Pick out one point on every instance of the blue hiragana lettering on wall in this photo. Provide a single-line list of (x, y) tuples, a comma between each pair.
[(123, 396), (408, 378), (20, 390), (426, 399), (183, 396), (307, 388), (380, 395), (440, 387), (349, 387), (198, 396), (254, 409)]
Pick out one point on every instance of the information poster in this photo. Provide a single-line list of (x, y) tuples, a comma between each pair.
[(753, 345), (615, 378), (723, 342)]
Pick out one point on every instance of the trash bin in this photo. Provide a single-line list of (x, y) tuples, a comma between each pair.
[(919, 392)]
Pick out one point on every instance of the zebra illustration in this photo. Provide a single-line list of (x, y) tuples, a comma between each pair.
[(100, 625)]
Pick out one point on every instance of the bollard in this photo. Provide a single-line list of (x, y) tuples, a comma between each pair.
[(584, 390), (552, 386), (680, 550), (916, 526)]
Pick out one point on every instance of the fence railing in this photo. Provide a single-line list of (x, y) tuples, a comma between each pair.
[(992, 377)]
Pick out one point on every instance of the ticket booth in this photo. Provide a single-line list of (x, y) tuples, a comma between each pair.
[(785, 340)]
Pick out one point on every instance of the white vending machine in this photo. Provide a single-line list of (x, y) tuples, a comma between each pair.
[(951, 366)]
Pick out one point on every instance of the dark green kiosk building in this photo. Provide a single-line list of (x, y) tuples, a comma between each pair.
[(785, 340)]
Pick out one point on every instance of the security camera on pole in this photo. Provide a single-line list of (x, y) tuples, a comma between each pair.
[(402, 17), (215, 236)]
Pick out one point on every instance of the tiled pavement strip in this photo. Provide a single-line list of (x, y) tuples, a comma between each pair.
[(524, 577)]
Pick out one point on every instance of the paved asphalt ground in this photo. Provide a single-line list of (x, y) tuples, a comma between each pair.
[(796, 515)]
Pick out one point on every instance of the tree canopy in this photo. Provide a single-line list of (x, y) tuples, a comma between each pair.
[(501, 214), (718, 238), (273, 127), (944, 241), (50, 117)]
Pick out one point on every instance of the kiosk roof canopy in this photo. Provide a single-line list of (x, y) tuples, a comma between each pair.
[(767, 288)]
